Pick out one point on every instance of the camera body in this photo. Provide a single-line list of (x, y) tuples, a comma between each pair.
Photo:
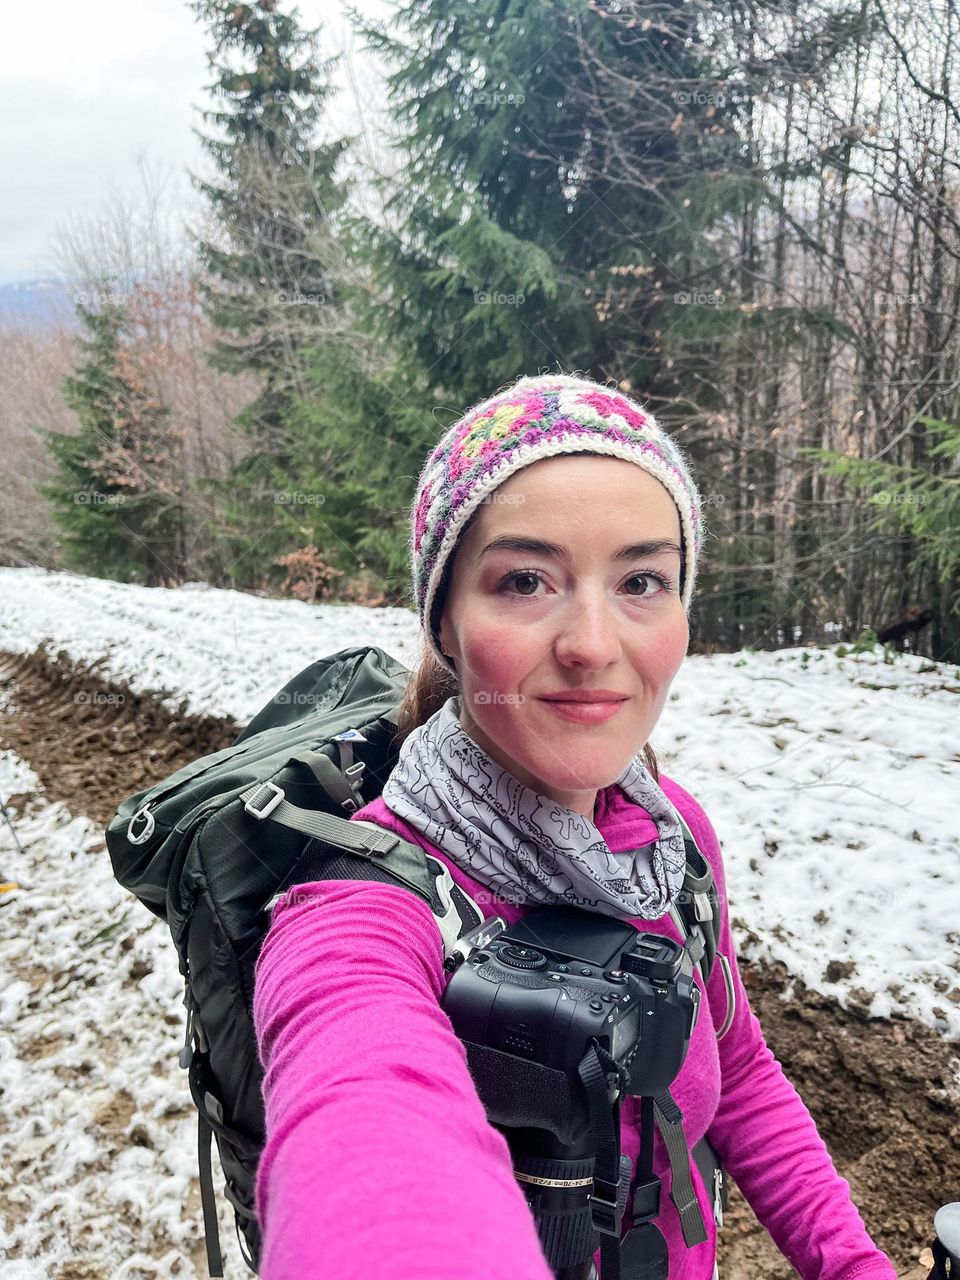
[(545, 988)]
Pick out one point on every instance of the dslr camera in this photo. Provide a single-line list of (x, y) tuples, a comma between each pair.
[(561, 977), (533, 1004)]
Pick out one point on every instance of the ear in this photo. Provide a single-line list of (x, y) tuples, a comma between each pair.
[(443, 634)]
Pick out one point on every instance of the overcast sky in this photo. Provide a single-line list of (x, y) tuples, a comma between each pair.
[(87, 88)]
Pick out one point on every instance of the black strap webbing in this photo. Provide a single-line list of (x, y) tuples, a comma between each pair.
[(611, 1177), (670, 1123), (208, 1199), (943, 1265), (521, 1093)]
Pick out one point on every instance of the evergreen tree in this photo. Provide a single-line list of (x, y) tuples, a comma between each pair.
[(271, 286), (509, 249), (366, 428), (505, 250), (114, 495)]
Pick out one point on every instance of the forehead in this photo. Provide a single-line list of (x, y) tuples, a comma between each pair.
[(578, 496)]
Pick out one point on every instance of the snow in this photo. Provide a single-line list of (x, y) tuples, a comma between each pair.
[(831, 780), (226, 652), (88, 1053)]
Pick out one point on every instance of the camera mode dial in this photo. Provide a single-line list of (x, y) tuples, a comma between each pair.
[(522, 957)]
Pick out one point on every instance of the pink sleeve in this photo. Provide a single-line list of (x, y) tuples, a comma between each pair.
[(765, 1135), (379, 1159)]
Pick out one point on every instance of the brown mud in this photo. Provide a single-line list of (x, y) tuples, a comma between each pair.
[(885, 1094)]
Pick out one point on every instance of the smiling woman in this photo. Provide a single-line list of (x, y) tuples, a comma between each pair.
[(555, 537), (587, 634)]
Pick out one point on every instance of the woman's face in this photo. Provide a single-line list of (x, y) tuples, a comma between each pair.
[(521, 623)]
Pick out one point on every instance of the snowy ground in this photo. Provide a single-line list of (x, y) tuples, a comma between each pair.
[(97, 1130), (832, 781)]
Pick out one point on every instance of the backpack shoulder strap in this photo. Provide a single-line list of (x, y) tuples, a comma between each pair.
[(345, 850), (697, 915), (697, 906)]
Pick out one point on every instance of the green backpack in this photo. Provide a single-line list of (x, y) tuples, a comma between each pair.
[(211, 848)]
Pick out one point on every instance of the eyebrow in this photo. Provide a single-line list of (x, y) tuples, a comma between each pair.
[(537, 547)]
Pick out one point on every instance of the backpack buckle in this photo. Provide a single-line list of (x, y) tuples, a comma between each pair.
[(605, 1210), (353, 774), (264, 800), (149, 826)]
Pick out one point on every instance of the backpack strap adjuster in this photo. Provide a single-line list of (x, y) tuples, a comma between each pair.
[(703, 907), (264, 800)]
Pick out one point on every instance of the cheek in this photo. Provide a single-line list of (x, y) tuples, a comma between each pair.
[(496, 654), (663, 648)]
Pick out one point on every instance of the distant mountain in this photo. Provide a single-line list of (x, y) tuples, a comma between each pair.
[(37, 304)]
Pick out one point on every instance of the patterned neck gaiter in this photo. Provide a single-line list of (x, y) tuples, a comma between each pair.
[(526, 847)]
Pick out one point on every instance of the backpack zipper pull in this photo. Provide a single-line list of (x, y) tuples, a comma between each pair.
[(717, 1202), (186, 1053), (194, 1029)]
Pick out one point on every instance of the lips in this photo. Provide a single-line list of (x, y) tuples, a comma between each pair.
[(583, 711), (585, 695)]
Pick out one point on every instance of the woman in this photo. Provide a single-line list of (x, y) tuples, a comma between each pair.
[(556, 535)]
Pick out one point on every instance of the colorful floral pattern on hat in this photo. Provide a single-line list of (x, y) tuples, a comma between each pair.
[(537, 417)]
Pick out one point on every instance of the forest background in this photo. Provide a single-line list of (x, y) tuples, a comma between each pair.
[(745, 215)]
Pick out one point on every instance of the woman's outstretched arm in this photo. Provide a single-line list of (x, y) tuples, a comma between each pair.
[(379, 1160), (767, 1138)]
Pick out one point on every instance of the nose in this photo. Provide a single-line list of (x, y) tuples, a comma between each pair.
[(589, 635)]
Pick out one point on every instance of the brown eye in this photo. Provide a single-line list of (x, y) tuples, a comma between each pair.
[(525, 576), (663, 583)]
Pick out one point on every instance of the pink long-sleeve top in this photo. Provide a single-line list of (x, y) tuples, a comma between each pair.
[(379, 1161)]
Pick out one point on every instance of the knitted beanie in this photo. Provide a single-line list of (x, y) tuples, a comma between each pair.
[(534, 418)]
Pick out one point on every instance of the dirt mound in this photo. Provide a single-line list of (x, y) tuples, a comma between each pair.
[(886, 1099), (93, 743), (885, 1094)]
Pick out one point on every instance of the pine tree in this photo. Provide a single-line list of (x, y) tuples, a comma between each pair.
[(504, 250), (509, 250), (376, 420), (115, 495), (271, 279)]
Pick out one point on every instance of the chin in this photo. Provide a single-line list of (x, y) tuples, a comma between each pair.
[(595, 772)]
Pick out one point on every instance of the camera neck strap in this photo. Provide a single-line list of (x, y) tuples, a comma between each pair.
[(611, 1175), (611, 1180)]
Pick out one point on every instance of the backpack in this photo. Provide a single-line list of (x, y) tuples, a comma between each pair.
[(211, 848)]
